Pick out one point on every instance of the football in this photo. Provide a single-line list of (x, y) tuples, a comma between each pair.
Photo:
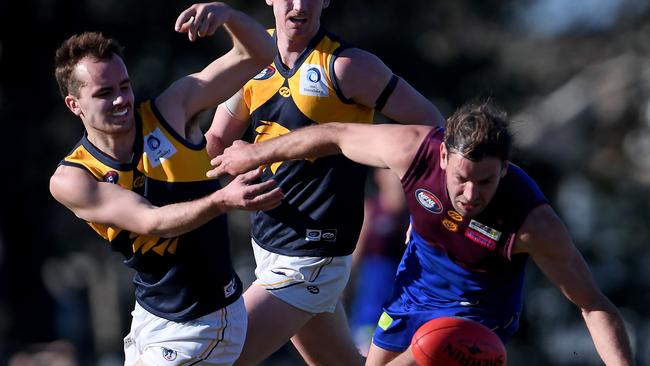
[(453, 341)]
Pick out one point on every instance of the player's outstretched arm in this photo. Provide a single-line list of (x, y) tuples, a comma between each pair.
[(110, 204), (548, 242), (364, 78), (252, 49), (382, 146)]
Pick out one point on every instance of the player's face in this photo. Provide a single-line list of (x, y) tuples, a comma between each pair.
[(297, 18), (471, 184), (105, 100)]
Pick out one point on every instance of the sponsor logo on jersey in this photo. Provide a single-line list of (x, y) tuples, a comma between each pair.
[(313, 289), (455, 215), (265, 74), (313, 235), (480, 239), (449, 225), (169, 354), (485, 230), (111, 176), (153, 142), (128, 342), (328, 234), (429, 201), (285, 92), (138, 182), (158, 148), (320, 234), (230, 288), (313, 82)]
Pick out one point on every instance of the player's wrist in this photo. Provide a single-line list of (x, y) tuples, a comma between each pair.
[(219, 201)]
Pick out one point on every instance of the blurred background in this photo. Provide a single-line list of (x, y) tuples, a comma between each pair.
[(573, 75)]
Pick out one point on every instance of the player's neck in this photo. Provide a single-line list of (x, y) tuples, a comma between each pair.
[(290, 49), (117, 146)]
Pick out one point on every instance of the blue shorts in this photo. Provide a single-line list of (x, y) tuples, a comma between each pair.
[(429, 285), (396, 328)]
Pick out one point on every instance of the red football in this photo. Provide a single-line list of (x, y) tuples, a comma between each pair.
[(455, 341)]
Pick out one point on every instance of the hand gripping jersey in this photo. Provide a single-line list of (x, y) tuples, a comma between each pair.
[(322, 211), (458, 266), (179, 278)]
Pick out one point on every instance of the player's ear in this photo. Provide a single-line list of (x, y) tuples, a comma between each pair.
[(504, 168), (443, 156), (73, 104)]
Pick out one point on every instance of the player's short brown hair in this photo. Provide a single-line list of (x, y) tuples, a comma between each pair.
[(477, 130), (75, 48)]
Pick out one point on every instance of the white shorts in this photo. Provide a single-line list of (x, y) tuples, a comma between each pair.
[(312, 284), (213, 339)]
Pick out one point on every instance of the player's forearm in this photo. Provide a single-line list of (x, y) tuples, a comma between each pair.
[(609, 336), (250, 39), (307, 142), (180, 218)]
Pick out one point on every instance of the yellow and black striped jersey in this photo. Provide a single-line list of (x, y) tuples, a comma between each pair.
[(176, 278), (322, 211)]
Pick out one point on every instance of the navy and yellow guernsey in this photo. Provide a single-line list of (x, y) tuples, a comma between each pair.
[(179, 278), (322, 211)]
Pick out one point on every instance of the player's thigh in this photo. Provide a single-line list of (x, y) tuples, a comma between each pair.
[(379, 357), (324, 333), (271, 323)]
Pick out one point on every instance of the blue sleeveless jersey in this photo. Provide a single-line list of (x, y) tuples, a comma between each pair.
[(457, 266), (180, 278)]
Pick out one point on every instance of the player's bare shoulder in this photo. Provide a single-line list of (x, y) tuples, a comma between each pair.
[(355, 62), (72, 187), (361, 75), (542, 233)]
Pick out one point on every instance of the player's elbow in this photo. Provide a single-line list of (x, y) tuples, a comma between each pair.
[(214, 144), (598, 302), (259, 56)]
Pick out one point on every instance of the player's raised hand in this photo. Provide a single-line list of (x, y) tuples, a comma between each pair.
[(242, 193), (202, 20), (236, 159)]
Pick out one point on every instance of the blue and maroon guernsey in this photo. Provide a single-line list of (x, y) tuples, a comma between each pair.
[(483, 243), (457, 266)]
